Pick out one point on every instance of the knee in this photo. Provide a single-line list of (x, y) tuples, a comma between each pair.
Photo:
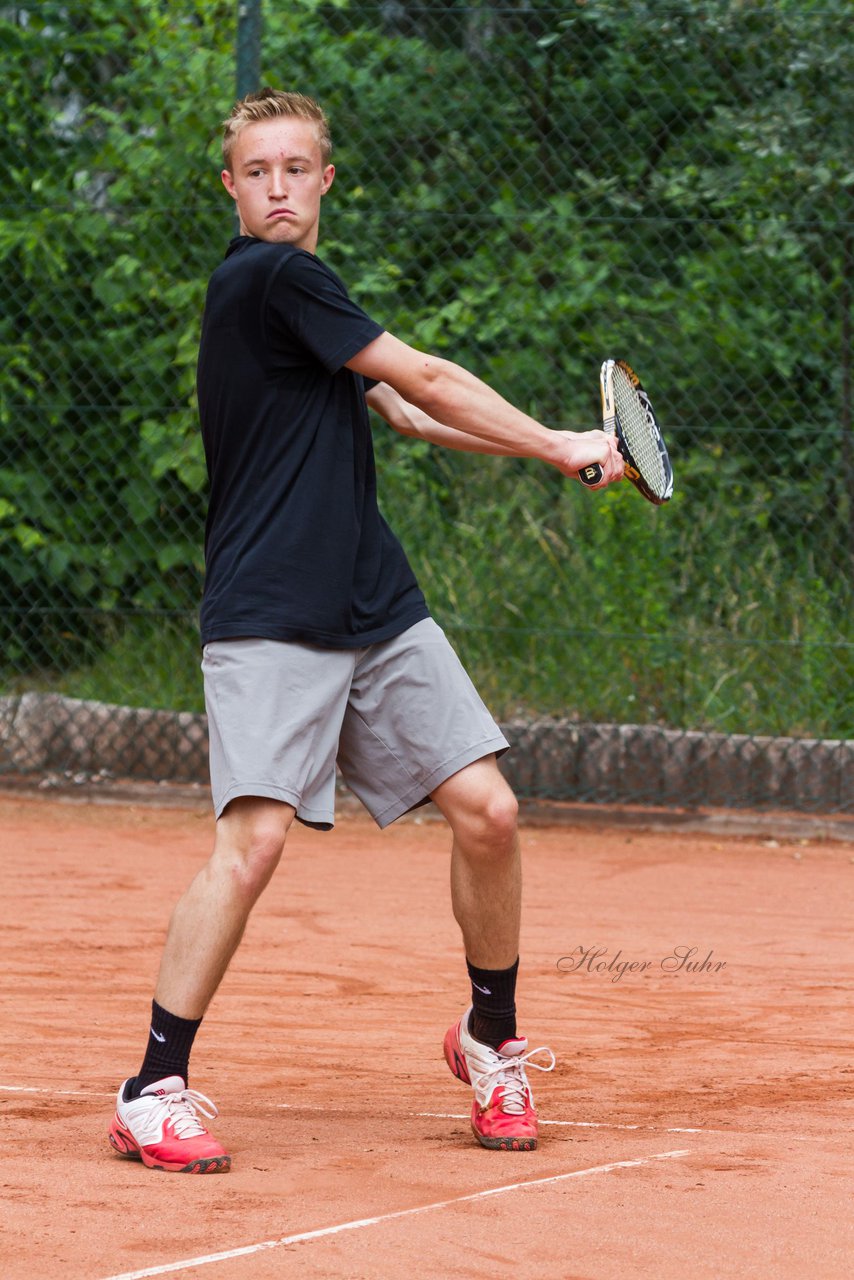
[(489, 825), (251, 848), (259, 856)]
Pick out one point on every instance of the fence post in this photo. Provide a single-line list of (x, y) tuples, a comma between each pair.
[(248, 46)]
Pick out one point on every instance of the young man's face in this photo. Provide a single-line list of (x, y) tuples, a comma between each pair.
[(277, 177)]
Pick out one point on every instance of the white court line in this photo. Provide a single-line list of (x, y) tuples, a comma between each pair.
[(359, 1223), (459, 1115), (417, 1115), (61, 1093), (571, 1124)]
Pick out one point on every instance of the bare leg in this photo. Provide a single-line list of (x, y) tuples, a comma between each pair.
[(486, 867), (483, 1049), (208, 921)]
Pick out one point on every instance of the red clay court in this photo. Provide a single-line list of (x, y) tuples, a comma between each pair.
[(698, 1123)]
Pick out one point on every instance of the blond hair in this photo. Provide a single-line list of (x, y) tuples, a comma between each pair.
[(272, 104)]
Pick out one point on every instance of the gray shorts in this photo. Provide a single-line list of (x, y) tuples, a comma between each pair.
[(399, 718)]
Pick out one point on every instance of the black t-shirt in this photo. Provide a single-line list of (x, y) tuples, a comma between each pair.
[(295, 546)]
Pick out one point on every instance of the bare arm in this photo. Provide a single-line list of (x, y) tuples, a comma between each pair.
[(411, 421), (451, 397)]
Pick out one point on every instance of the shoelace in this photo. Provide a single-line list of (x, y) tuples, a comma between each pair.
[(181, 1110), (510, 1074)]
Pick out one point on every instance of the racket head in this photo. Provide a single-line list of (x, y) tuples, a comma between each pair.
[(628, 412)]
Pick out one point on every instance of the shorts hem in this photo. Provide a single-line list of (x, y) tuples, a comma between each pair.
[(324, 819), (421, 791)]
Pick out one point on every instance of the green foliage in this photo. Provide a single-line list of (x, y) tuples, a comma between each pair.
[(525, 191), (617, 611), (105, 251)]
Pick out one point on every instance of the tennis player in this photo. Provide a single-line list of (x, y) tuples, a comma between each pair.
[(318, 646)]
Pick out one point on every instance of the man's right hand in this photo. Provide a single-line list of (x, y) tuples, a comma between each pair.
[(585, 447)]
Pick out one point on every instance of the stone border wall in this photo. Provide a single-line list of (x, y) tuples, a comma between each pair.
[(45, 735)]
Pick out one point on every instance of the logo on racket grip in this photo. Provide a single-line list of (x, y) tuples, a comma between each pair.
[(591, 473)]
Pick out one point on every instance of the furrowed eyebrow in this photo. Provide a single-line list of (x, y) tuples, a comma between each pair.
[(253, 164)]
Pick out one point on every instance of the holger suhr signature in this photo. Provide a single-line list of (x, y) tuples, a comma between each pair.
[(603, 963)]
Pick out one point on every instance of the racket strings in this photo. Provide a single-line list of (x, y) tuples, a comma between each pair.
[(641, 434)]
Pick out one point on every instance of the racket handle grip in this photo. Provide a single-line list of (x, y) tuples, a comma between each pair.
[(591, 475)]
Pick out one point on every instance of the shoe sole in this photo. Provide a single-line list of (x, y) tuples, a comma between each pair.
[(505, 1144), (210, 1164)]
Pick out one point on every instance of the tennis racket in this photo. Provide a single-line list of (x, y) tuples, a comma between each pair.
[(627, 412)]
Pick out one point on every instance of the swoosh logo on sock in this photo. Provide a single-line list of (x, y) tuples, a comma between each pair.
[(484, 990), (162, 1039)]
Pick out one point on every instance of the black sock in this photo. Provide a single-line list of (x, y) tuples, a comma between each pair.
[(493, 994), (168, 1054)]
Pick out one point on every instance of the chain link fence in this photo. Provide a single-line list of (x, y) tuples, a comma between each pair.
[(525, 189)]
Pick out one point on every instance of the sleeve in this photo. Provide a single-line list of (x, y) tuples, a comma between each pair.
[(309, 302)]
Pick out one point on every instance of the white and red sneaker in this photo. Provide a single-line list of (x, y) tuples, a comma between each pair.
[(162, 1129), (502, 1115)]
